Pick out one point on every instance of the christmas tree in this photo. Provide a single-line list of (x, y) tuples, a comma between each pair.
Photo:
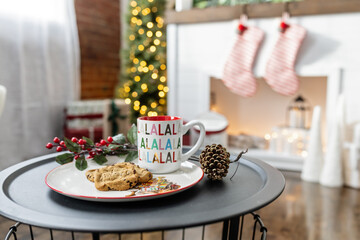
[(143, 81)]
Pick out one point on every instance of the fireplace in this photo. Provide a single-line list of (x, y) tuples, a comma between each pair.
[(265, 115), (267, 109), (198, 52)]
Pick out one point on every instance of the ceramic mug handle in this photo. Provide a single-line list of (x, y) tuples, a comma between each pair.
[(199, 142)]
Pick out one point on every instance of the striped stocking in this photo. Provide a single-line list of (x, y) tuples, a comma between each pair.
[(238, 76), (280, 69)]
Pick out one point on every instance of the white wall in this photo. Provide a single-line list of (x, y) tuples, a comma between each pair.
[(197, 51)]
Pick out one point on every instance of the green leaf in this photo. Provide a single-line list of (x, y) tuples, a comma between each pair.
[(71, 146), (88, 140), (119, 154), (120, 138), (81, 163), (132, 135), (100, 159), (131, 156), (64, 158), (113, 147)]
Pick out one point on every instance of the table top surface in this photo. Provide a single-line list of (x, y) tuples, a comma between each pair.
[(25, 197)]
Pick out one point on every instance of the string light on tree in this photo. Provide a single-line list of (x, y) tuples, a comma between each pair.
[(143, 82)]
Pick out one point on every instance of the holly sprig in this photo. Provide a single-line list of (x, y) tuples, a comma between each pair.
[(82, 149)]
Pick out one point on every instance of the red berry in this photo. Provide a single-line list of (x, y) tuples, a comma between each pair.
[(110, 139), (92, 153), (103, 142), (81, 141), (97, 144), (49, 146), (62, 143), (76, 157), (59, 149), (56, 140), (74, 139), (89, 157)]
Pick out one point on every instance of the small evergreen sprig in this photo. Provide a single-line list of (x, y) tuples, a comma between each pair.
[(84, 148)]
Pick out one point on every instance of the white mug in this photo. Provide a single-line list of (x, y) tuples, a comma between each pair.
[(160, 142)]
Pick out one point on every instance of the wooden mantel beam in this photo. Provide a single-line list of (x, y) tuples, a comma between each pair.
[(262, 10)]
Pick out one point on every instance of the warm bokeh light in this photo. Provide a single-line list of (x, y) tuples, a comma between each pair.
[(150, 25), (154, 76), (163, 79), (135, 12), (133, 3), (143, 86), (160, 87)]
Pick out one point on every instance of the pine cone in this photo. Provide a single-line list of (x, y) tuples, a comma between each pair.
[(215, 161)]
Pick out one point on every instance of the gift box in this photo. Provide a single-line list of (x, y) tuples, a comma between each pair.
[(96, 119)]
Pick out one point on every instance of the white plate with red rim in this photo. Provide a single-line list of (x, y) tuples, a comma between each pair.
[(69, 181)]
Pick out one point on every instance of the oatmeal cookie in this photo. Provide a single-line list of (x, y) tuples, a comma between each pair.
[(118, 177), (144, 174), (90, 175)]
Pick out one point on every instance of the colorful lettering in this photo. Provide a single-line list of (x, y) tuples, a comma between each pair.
[(174, 133), (146, 129), (160, 148), (179, 143), (156, 158), (168, 145), (142, 145), (147, 143), (168, 158), (168, 129), (161, 134), (154, 145), (153, 130), (161, 158), (147, 157)]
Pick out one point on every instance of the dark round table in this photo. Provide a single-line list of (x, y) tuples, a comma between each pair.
[(25, 198)]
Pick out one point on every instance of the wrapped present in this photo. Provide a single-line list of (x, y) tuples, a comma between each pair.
[(96, 119)]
